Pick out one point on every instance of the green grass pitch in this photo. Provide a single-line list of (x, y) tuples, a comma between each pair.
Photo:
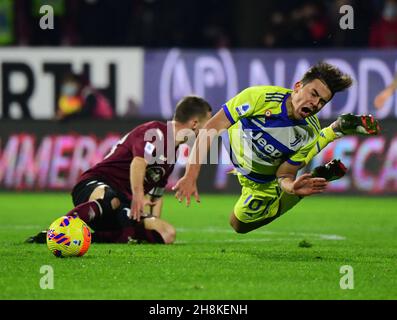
[(209, 260)]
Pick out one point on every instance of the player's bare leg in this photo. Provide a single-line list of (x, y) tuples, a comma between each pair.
[(99, 193), (150, 229), (166, 230), (100, 201), (104, 206)]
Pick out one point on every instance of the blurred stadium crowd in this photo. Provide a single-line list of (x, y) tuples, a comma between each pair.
[(200, 23)]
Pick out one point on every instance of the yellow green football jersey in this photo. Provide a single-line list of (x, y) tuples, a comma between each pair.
[(262, 136)]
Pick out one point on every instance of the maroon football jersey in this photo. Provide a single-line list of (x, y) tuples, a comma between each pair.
[(143, 141)]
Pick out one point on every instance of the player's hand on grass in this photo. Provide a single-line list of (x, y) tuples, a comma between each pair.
[(185, 188), (306, 185), (139, 202)]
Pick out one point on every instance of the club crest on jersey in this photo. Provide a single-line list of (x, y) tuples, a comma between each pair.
[(154, 174), (241, 110)]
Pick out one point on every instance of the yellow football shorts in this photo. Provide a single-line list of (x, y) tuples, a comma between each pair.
[(260, 201)]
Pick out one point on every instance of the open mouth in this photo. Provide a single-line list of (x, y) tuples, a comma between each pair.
[(305, 111)]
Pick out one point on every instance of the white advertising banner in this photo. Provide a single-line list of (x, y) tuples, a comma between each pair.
[(30, 77)]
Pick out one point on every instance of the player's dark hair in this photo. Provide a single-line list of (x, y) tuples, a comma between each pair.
[(334, 79), (191, 106)]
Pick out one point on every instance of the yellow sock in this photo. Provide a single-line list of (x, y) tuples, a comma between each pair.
[(327, 135)]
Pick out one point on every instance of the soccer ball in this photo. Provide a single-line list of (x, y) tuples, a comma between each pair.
[(68, 237)]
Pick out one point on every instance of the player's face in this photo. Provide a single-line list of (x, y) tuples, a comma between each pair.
[(309, 99)]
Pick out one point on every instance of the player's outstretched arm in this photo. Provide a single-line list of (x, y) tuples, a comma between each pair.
[(385, 94), (187, 185), (304, 185)]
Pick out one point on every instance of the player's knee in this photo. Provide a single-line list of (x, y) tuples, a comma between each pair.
[(165, 231), (239, 229), (237, 225), (110, 200), (110, 197), (106, 197), (98, 193)]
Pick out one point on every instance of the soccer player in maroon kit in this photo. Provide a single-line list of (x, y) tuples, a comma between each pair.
[(111, 196)]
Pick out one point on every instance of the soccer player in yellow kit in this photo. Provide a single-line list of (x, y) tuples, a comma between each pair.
[(273, 132)]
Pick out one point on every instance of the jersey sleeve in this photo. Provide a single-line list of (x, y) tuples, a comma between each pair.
[(142, 141), (137, 144), (242, 105)]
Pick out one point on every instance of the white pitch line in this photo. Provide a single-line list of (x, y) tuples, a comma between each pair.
[(21, 226), (264, 232), (284, 235), (235, 240)]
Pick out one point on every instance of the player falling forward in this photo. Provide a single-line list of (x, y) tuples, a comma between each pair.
[(111, 196), (273, 132)]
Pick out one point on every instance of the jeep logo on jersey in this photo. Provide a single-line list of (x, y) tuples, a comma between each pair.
[(154, 174), (263, 144)]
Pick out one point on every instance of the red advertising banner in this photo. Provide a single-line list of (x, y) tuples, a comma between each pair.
[(45, 155)]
